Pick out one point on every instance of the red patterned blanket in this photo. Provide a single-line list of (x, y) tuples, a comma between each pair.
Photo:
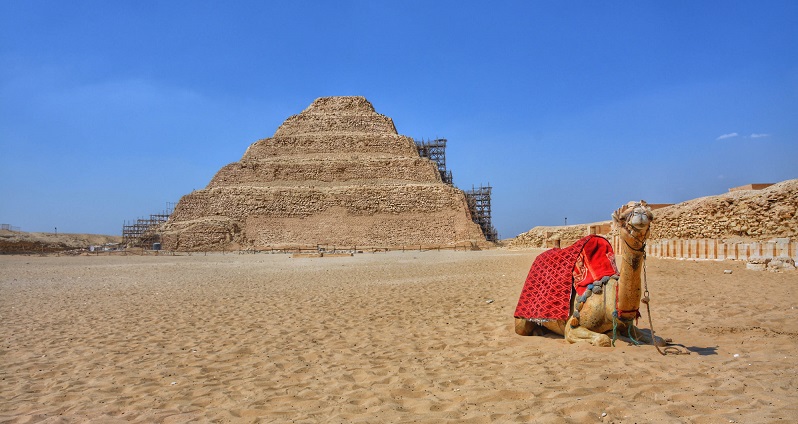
[(546, 295)]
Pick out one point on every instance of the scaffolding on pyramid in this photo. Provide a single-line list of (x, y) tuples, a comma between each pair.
[(435, 150), (146, 232), (479, 204), (478, 198)]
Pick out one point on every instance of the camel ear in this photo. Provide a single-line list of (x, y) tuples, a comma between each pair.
[(616, 216), (622, 212), (619, 218)]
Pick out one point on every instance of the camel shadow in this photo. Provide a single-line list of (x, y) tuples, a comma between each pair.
[(703, 351), (682, 349), (541, 331)]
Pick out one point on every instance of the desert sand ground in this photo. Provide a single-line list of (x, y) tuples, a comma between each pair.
[(384, 337)]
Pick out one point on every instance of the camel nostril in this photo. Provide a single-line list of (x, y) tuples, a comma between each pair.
[(638, 219)]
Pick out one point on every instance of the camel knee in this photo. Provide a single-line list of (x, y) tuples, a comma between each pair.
[(582, 334)]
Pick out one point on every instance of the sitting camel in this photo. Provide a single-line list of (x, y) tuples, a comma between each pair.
[(609, 305)]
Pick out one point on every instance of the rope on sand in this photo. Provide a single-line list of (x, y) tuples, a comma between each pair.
[(673, 350)]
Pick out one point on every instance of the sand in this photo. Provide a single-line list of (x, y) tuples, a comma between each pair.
[(385, 337)]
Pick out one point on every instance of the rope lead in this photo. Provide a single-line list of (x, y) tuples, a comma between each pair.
[(669, 349)]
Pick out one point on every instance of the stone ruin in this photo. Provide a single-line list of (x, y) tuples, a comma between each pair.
[(750, 215), (336, 174), (757, 223)]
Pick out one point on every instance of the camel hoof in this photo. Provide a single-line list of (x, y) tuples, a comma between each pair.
[(602, 340)]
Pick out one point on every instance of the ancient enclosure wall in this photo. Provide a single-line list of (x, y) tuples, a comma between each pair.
[(720, 250)]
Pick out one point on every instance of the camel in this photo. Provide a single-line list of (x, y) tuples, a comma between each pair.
[(592, 314)]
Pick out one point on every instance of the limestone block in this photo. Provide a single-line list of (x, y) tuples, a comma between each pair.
[(781, 263)]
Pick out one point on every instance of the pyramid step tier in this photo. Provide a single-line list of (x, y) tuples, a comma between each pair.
[(326, 171), (239, 202), (335, 143), (324, 124), (331, 227)]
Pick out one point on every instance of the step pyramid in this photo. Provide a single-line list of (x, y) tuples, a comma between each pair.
[(337, 173)]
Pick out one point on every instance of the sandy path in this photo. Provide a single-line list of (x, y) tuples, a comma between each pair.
[(397, 337)]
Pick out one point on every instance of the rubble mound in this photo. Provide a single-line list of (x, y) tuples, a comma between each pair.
[(20, 242), (337, 173), (743, 215), (550, 236), (737, 216)]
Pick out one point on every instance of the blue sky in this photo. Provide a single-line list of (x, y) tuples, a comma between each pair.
[(111, 109)]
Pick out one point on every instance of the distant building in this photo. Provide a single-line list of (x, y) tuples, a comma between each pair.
[(751, 187), (655, 206)]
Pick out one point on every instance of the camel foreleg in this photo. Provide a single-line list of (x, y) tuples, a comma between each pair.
[(638, 336), (581, 334)]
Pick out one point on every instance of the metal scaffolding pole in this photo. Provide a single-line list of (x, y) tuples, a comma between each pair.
[(146, 231), (435, 150), (479, 204)]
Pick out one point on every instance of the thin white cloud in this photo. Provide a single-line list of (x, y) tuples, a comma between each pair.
[(729, 135), (755, 135)]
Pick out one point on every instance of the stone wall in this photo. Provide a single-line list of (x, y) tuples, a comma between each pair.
[(714, 249)]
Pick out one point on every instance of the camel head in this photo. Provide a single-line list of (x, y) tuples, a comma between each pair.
[(633, 221)]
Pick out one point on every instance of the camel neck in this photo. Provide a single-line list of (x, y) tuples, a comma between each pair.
[(629, 285)]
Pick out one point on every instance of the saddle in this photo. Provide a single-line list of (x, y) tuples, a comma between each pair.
[(557, 274)]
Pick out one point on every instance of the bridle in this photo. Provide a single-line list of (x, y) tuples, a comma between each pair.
[(631, 230)]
